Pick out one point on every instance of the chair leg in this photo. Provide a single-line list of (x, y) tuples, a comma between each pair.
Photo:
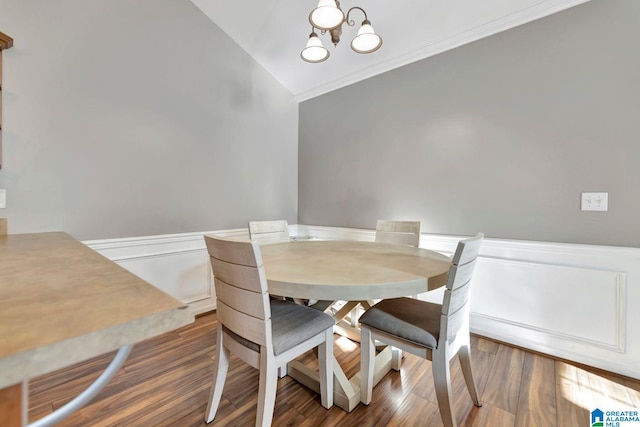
[(266, 389), (220, 368), (464, 354), (396, 358), (325, 364), (442, 380), (367, 365), (282, 370)]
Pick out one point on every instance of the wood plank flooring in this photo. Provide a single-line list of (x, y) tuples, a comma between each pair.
[(166, 382)]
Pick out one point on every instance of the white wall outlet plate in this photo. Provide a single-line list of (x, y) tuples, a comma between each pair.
[(595, 202), (3, 198)]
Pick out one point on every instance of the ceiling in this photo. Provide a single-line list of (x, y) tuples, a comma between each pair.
[(274, 32)]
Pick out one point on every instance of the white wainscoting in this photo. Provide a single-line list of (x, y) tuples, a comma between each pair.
[(576, 302), (177, 264)]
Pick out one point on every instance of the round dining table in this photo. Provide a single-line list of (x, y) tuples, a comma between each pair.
[(351, 270), (355, 273)]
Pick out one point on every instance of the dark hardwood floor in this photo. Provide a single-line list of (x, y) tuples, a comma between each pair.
[(166, 382)]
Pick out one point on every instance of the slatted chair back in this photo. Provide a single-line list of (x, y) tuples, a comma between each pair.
[(265, 333), (437, 332), (268, 232), (398, 232), (455, 306), (241, 288)]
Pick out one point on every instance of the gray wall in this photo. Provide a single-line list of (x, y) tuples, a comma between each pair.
[(500, 136), (128, 118)]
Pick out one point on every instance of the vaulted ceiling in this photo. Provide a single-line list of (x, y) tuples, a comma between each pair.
[(274, 32)]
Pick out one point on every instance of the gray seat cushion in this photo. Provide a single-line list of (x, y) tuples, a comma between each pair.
[(322, 305), (291, 324), (407, 318)]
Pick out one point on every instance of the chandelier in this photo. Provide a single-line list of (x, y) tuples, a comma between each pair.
[(329, 17)]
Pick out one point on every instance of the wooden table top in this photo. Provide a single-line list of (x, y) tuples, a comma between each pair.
[(61, 303), (350, 270)]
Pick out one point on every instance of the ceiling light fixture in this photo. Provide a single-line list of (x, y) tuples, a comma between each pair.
[(329, 17)]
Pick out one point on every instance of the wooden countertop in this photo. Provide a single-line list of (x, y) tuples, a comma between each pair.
[(61, 303)]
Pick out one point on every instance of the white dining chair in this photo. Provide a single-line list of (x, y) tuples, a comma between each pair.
[(268, 232), (436, 332), (406, 233), (263, 332), (398, 232)]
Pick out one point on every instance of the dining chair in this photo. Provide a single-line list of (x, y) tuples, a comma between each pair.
[(270, 232), (398, 232), (263, 332), (436, 332), (406, 233), (267, 232)]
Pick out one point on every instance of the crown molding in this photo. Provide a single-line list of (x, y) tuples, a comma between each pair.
[(527, 14)]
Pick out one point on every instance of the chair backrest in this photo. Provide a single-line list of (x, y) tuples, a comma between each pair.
[(455, 306), (398, 232), (241, 288), (266, 232)]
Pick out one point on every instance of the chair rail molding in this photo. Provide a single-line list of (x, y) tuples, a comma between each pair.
[(566, 300)]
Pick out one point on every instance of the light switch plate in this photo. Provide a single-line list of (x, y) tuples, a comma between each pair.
[(3, 198), (595, 202)]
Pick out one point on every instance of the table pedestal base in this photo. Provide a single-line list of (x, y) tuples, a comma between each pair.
[(346, 392)]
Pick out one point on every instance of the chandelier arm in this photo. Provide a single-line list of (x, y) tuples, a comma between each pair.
[(351, 22)]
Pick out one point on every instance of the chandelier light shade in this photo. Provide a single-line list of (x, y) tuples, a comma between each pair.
[(328, 16), (314, 52), (367, 40)]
